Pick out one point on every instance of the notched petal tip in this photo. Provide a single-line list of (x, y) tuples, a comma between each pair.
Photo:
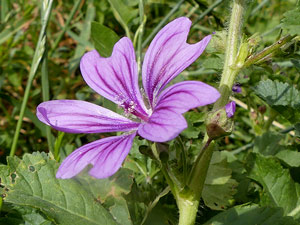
[(168, 55), (115, 77), (88, 58)]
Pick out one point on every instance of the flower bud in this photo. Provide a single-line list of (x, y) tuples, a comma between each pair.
[(237, 88), (230, 109), (219, 123)]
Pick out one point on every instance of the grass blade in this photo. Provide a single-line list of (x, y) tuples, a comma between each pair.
[(38, 54), (73, 11), (45, 93)]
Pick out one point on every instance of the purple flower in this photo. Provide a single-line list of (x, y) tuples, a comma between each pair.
[(158, 119), (230, 109), (237, 88)]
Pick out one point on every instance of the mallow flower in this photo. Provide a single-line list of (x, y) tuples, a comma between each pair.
[(155, 115)]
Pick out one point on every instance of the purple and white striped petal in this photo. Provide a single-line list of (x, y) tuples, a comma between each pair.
[(75, 116), (106, 155), (163, 125), (186, 95), (168, 55), (115, 78)]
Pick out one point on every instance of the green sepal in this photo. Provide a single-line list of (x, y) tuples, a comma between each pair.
[(218, 124)]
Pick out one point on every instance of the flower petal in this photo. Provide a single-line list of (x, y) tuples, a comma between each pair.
[(230, 109), (115, 78), (106, 155), (186, 95), (168, 55), (74, 116), (163, 125)]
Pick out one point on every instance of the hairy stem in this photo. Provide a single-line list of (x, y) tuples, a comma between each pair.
[(187, 211), (268, 50), (230, 70), (188, 202)]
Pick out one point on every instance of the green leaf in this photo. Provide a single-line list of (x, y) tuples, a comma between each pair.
[(161, 215), (276, 93), (30, 215), (219, 187), (214, 62), (251, 215), (104, 39), (279, 188), (283, 97), (268, 143), (110, 193), (31, 182), (35, 219), (291, 158), (291, 22), (194, 128), (122, 11)]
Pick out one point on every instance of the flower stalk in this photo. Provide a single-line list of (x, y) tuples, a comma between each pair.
[(230, 69), (188, 200), (235, 56), (268, 50)]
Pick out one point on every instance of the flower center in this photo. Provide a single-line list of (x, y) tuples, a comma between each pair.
[(132, 108), (129, 106)]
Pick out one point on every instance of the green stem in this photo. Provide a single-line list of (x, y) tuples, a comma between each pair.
[(188, 202), (197, 178), (164, 20), (265, 52), (184, 160), (187, 211), (272, 117), (57, 145), (38, 54), (230, 70), (45, 93)]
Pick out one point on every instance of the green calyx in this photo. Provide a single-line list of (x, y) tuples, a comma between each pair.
[(218, 124)]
